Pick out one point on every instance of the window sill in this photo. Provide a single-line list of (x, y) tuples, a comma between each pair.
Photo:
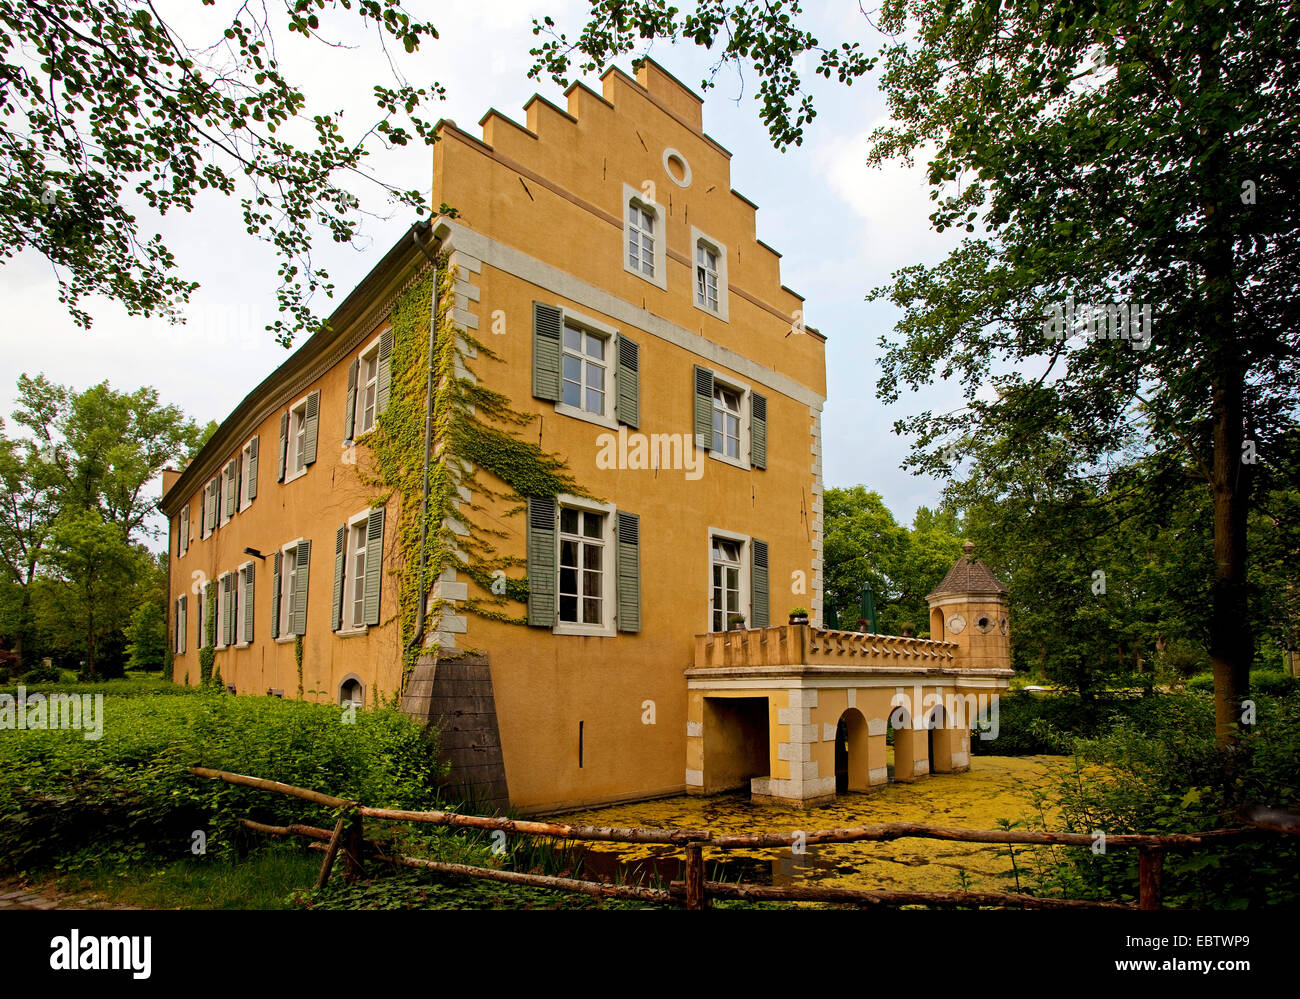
[(352, 632), (584, 631), (242, 645), (659, 282), (719, 313), (727, 460), (295, 475), (285, 639), (564, 409)]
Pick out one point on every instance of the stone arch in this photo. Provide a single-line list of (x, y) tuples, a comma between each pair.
[(852, 756), (938, 725), (899, 722), (352, 691)]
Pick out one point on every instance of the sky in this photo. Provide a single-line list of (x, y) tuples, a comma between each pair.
[(842, 228)]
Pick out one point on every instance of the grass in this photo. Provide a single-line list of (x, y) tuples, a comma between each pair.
[(265, 879)]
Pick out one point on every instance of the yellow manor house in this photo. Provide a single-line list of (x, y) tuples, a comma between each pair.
[(551, 479)]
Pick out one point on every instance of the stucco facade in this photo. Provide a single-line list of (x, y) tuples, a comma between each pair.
[(593, 711)]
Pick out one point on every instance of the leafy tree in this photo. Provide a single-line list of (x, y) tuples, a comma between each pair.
[(96, 568), (1109, 152), (105, 105), (105, 448), (147, 637), (77, 510), (864, 545), (27, 511)]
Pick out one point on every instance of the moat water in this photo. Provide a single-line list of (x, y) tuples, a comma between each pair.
[(996, 788)]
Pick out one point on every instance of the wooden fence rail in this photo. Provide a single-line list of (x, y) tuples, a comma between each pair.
[(347, 837)]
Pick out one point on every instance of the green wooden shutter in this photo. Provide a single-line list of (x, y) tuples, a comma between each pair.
[(759, 578), (350, 414), (627, 403), (374, 565), (384, 376), (237, 481), (628, 569), (548, 328), (336, 618), (284, 446), (758, 430), (703, 408), (180, 626), (311, 427), (542, 557), (206, 627), (252, 469), (303, 556), (248, 605), (216, 502), (223, 608), (275, 597)]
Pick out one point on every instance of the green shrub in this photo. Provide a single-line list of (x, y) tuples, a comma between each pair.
[(69, 803), (1274, 683), (1166, 775)]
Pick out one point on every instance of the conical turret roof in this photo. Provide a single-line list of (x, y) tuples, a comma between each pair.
[(968, 575)]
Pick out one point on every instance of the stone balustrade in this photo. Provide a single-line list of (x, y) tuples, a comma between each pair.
[(804, 645)]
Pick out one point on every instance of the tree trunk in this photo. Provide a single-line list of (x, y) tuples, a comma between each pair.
[(1230, 639)]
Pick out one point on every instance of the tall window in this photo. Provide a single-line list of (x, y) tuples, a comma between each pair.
[(582, 567), (242, 580), (183, 530), (726, 582), (369, 388), (246, 487), (640, 238), (288, 586), (298, 439), (223, 609), (726, 421), (584, 370), (356, 617), (706, 276)]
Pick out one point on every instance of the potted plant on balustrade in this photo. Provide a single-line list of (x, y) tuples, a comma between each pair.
[(799, 615), (735, 622)]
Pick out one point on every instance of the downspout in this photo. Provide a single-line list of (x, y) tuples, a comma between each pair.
[(421, 614)]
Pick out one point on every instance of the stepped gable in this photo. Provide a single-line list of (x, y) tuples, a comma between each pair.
[(968, 575)]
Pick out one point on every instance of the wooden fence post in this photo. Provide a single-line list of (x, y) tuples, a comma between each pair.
[(1151, 866), (331, 852), (352, 854), (696, 895)]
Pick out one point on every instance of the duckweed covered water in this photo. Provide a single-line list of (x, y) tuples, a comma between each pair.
[(996, 787)]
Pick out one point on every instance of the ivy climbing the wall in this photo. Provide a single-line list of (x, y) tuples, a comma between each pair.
[(474, 429)]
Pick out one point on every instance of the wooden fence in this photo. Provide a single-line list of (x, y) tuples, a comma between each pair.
[(348, 838)]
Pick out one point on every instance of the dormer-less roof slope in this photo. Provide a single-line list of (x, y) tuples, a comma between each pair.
[(968, 575)]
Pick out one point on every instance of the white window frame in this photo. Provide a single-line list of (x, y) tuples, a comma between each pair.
[(247, 567), (746, 407), (608, 568), (597, 328), (349, 625), (746, 583), (369, 352), (632, 196), (699, 239), (288, 575), (296, 430), (183, 530), (211, 487), (181, 626), (245, 468)]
